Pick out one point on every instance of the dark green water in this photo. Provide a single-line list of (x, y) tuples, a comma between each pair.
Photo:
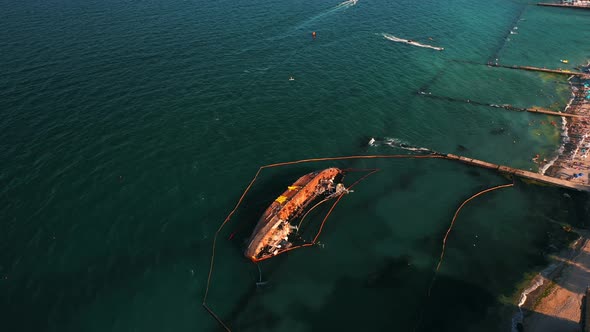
[(130, 128)]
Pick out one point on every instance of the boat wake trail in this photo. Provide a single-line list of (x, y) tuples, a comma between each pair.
[(397, 143), (410, 42), (347, 3), (343, 5)]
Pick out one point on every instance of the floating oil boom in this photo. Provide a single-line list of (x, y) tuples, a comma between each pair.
[(275, 233)]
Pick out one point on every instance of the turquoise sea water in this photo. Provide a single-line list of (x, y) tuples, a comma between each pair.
[(130, 128)]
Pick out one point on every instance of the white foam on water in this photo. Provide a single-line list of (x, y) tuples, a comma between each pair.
[(347, 3), (537, 282), (565, 137), (410, 42), (519, 316), (396, 143)]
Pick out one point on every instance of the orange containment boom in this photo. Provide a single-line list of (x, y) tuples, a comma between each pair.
[(274, 233)]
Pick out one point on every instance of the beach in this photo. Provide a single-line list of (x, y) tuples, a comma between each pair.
[(556, 302), (573, 163), (553, 300)]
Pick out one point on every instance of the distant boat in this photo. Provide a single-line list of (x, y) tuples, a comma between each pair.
[(564, 61)]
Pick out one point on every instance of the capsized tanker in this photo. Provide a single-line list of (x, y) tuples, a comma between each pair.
[(275, 232)]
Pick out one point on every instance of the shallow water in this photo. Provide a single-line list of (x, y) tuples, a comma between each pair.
[(129, 130)]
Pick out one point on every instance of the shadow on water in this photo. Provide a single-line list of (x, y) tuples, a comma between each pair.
[(389, 272), (473, 173), (260, 318), (462, 148), (498, 131), (23, 311), (257, 200), (374, 300), (374, 297), (71, 291)]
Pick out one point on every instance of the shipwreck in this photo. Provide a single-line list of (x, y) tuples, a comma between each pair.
[(276, 231)]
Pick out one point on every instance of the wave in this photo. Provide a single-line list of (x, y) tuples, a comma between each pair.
[(564, 136), (410, 42), (565, 139), (518, 318), (535, 283)]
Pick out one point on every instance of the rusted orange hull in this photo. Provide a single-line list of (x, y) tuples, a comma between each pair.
[(272, 233)]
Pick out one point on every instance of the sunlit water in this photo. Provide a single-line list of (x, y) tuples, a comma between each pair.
[(130, 129)]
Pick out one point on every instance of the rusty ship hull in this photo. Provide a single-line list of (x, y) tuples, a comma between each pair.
[(274, 232)]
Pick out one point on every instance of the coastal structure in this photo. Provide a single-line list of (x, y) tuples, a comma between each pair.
[(572, 163), (537, 177), (538, 110), (543, 70)]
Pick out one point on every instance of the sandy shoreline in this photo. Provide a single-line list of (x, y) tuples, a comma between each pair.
[(555, 305), (573, 162), (553, 299)]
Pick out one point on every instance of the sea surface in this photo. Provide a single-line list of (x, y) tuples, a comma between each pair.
[(129, 129)]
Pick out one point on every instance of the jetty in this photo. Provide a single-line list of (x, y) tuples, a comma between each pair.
[(538, 110), (538, 69), (543, 111), (504, 40), (536, 177), (509, 107)]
